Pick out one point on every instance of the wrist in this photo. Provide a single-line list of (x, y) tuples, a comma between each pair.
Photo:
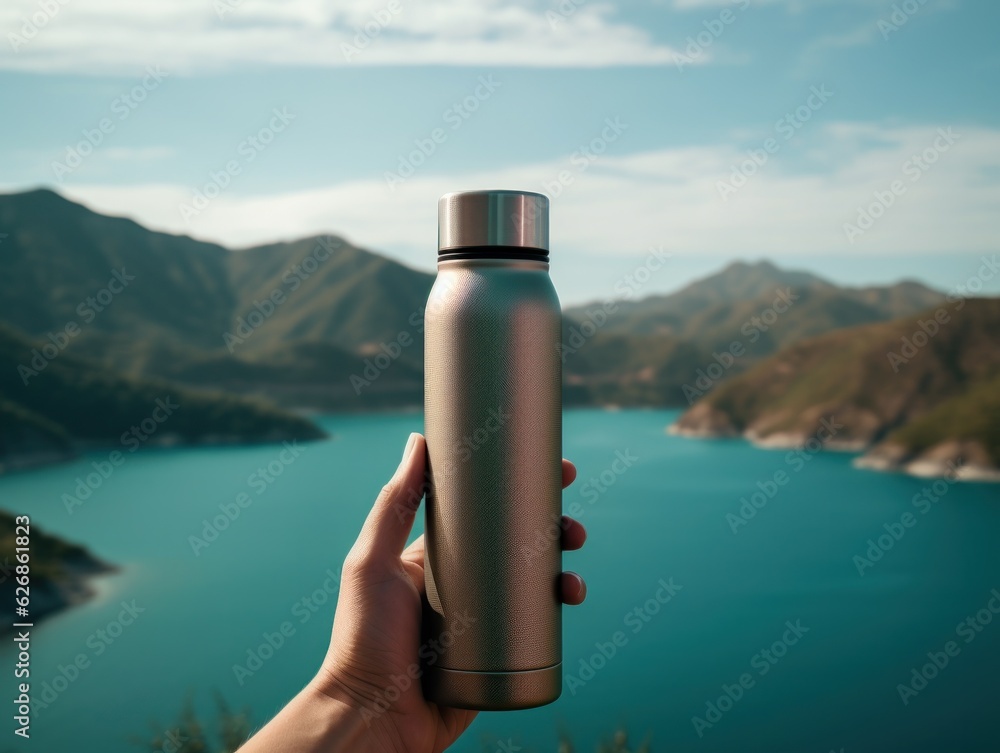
[(349, 723), (337, 725), (314, 722)]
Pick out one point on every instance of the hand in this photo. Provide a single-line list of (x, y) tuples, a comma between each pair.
[(376, 632), (364, 697)]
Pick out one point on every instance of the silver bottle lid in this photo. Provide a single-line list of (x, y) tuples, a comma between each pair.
[(493, 218)]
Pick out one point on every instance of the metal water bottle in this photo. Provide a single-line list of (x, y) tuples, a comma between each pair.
[(493, 421)]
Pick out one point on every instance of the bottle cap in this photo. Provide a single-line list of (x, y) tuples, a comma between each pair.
[(470, 219)]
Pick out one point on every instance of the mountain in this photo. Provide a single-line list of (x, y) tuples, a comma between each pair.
[(747, 302), (335, 293), (313, 323), (656, 351), (964, 429), (919, 392), (155, 305), (669, 314), (625, 370), (63, 262), (28, 439), (60, 260), (49, 406)]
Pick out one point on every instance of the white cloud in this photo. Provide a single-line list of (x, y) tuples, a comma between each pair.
[(187, 36), (625, 204)]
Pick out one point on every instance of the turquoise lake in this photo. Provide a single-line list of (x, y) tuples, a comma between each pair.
[(831, 682)]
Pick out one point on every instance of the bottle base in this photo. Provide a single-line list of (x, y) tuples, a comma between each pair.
[(493, 691)]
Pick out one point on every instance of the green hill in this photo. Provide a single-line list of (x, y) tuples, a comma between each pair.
[(155, 305), (48, 406), (890, 385), (964, 430), (718, 310), (59, 254)]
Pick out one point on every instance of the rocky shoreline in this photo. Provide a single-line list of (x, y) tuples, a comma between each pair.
[(61, 573), (954, 459), (963, 461)]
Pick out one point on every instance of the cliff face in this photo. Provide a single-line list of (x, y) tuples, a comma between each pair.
[(59, 573), (920, 393)]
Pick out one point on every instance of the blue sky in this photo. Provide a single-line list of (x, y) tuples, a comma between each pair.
[(711, 129)]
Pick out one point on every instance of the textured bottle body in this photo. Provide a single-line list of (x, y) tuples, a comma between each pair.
[(493, 423)]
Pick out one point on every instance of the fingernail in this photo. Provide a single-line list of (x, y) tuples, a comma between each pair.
[(409, 447)]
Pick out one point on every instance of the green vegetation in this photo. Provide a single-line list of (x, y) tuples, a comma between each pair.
[(58, 571), (70, 399), (189, 735), (972, 417), (25, 435), (337, 304), (231, 729), (877, 382), (297, 323), (711, 312)]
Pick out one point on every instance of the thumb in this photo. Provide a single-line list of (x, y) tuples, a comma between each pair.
[(390, 521)]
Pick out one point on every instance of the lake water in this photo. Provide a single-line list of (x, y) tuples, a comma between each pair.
[(829, 684)]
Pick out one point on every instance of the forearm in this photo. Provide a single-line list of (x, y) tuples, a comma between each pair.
[(313, 723)]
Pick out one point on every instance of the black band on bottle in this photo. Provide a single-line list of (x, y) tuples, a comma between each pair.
[(494, 252)]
